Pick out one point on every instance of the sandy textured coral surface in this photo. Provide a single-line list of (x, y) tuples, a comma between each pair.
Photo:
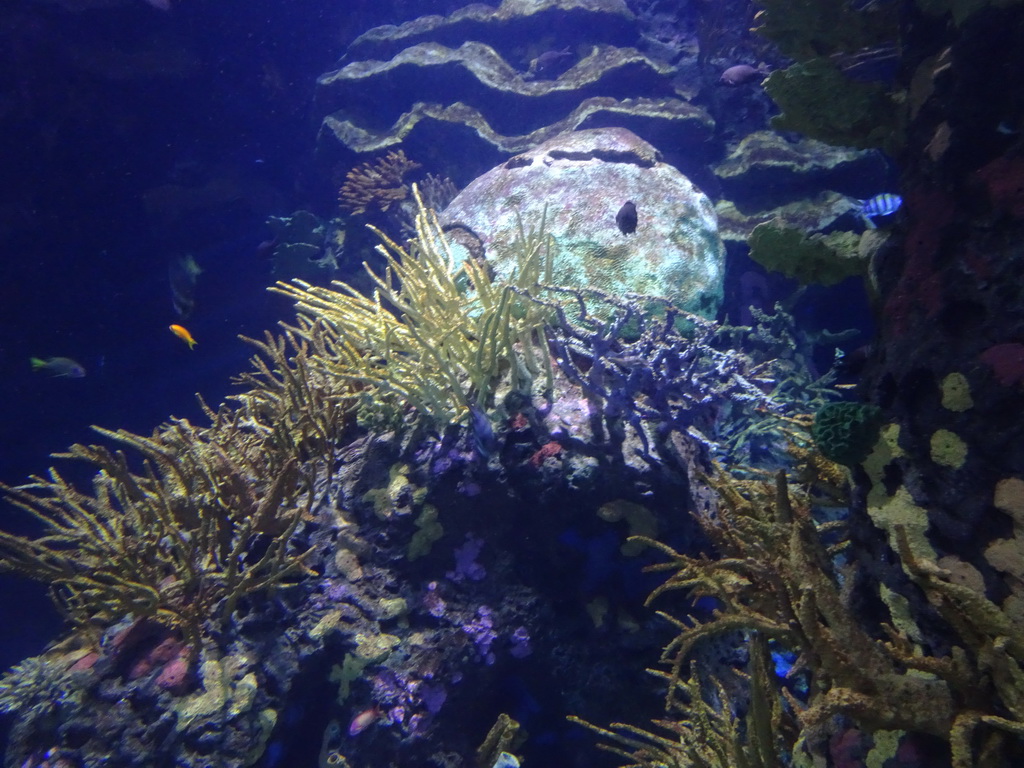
[(578, 182)]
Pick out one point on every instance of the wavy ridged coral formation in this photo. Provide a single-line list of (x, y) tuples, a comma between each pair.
[(605, 21), (425, 83)]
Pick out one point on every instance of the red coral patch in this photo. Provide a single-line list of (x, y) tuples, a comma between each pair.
[(1004, 180), (1006, 361)]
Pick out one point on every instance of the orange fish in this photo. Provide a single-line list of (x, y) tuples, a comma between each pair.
[(364, 720), (182, 333)]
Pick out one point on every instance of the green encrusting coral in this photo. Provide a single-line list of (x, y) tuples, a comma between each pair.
[(820, 259), (436, 336), (804, 30), (815, 95), (961, 9), (817, 100), (846, 432)]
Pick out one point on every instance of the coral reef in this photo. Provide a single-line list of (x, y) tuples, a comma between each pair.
[(474, 81), (409, 585), (700, 728), (594, 21), (811, 215), (775, 576), (825, 27), (766, 170), (818, 101), (453, 334), (175, 542), (822, 259), (816, 94)]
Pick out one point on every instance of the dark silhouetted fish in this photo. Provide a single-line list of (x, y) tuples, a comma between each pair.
[(741, 74), (626, 218), (549, 64), (484, 441), (61, 367), (182, 274)]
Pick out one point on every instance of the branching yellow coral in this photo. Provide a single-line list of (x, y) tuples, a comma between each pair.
[(774, 577), (291, 401), (702, 730), (174, 541), (436, 335)]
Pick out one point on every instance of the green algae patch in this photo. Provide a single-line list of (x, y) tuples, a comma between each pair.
[(948, 449), (818, 101), (811, 259), (956, 393)]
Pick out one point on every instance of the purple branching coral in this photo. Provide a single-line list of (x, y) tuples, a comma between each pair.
[(408, 702), (639, 366), (481, 631), (466, 564)]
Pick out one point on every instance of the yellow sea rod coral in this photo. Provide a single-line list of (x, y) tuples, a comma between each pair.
[(774, 576), (174, 541), (435, 335)]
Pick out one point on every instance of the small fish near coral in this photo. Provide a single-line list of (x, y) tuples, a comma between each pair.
[(182, 333), (625, 219), (364, 720), (484, 440), (884, 204), (741, 74), (549, 65), (59, 367)]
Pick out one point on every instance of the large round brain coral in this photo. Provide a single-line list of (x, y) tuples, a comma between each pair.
[(846, 432), (576, 183)]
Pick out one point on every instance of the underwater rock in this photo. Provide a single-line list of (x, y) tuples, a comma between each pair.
[(582, 180)]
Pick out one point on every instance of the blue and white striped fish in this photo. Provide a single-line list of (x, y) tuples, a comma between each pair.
[(884, 204)]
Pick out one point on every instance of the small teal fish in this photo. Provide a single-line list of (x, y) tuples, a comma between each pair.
[(884, 204), (61, 367)]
